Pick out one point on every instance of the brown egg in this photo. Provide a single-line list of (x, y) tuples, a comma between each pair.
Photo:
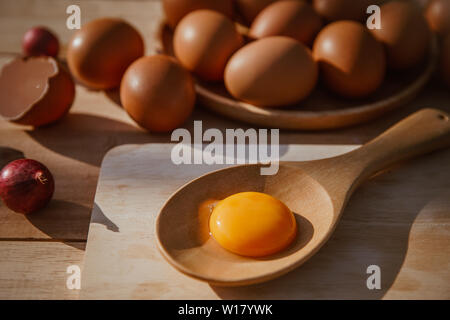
[(271, 72), (100, 52), (249, 9), (203, 42), (404, 32), (333, 10), (35, 91), (158, 93), (351, 61), (175, 10), (438, 16), (445, 59), (292, 18)]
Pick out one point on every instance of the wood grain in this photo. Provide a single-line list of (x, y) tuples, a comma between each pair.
[(37, 270), (398, 220)]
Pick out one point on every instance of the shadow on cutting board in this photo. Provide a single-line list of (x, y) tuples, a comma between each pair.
[(374, 231), (99, 217)]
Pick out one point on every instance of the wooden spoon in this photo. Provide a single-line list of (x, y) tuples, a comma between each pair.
[(316, 191)]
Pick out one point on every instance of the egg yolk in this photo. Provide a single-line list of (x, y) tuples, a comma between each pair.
[(252, 224)]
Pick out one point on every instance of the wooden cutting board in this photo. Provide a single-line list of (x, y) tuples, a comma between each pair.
[(399, 221)]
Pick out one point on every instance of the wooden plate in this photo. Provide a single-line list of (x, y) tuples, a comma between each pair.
[(322, 109)]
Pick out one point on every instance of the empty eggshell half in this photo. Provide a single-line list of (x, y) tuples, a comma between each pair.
[(271, 72), (35, 91)]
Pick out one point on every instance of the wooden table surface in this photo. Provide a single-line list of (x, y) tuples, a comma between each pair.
[(35, 251)]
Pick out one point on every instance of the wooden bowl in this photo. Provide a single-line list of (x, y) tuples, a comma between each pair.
[(322, 109)]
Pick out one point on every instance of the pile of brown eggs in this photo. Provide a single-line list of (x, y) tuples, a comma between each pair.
[(291, 44), (270, 53)]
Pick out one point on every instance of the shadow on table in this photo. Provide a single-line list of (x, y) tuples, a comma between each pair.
[(374, 230), (62, 220), (87, 137), (9, 154), (114, 96), (357, 134), (68, 221)]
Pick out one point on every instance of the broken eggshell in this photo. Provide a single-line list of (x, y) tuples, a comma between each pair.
[(35, 91)]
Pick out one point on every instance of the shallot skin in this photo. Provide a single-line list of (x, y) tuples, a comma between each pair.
[(26, 185), (40, 41)]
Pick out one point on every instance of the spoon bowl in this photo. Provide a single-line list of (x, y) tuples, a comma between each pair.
[(315, 191), (181, 231)]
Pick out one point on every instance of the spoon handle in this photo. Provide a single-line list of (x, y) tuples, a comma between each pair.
[(424, 131)]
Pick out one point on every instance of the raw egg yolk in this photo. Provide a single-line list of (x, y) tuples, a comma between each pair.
[(252, 224)]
